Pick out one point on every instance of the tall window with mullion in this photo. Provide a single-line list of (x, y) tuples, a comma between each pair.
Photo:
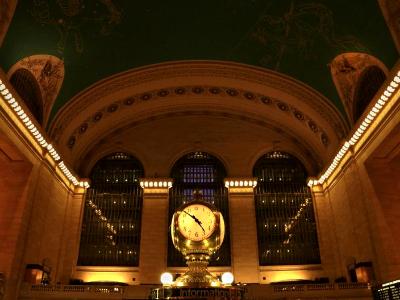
[(284, 210), (205, 173), (111, 224)]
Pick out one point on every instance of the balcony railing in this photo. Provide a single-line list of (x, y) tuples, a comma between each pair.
[(254, 291)]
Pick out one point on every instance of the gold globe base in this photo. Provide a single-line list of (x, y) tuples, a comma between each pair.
[(197, 275)]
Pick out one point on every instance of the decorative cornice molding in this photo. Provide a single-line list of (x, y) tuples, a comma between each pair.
[(196, 91), (198, 70)]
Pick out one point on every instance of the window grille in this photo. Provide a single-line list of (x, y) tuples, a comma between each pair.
[(286, 226), (111, 224), (203, 172), (387, 291)]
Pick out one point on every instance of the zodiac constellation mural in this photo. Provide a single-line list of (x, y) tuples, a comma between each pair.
[(299, 30), (69, 17)]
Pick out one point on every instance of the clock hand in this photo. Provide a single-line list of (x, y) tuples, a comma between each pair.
[(193, 217), (189, 214), (200, 224), (196, 220)]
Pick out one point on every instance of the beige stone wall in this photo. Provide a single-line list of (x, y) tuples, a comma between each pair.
[(358, 222), (34, 218), (272, 274), (243, 234), (381, 174), (154, 234), (344, 224), (358, 209), (34, 208), (128, 275), (36, 224), (71, 237), (48, 216), (326, 235), (15, 174)]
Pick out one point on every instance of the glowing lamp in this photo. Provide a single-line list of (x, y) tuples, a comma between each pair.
[(214, 283), (227, 278), (166, 278)]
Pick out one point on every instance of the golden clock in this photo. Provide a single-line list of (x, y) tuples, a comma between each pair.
[(197, 227), (197, 231), (196, 222)]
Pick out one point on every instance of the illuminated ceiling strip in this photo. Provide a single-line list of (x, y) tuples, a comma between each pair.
[(7, 96), (360, 131)]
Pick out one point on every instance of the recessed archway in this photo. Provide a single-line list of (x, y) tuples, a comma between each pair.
[(218, 90)]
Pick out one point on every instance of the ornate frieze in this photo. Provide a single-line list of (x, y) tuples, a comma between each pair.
[(164, 93)]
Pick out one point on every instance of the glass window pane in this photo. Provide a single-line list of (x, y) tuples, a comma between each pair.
[(111, 224), (284, 211)]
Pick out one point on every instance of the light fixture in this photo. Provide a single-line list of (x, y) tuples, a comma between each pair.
[(240, 182), (166, 278), (149, 183), (227, 278)]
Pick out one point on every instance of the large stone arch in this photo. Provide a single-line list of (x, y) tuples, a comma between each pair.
[(48, 71), (259, 105), (347, 70)]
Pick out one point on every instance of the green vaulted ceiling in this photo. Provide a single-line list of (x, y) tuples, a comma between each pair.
[(99, 38)]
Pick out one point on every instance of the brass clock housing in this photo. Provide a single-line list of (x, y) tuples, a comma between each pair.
[(206, 225)]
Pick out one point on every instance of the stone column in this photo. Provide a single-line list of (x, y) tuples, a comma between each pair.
[(154, 229), (243, 229), (329, 252), (71, 235)]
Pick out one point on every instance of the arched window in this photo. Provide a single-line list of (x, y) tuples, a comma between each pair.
[(369, 83), (284, 211), (203, 172), (111, 223), (28, 89)]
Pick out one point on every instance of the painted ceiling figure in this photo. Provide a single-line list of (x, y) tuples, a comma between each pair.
[(299, 30), (71, 16)]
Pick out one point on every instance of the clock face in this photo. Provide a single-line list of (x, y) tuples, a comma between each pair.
[(196, 222)]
